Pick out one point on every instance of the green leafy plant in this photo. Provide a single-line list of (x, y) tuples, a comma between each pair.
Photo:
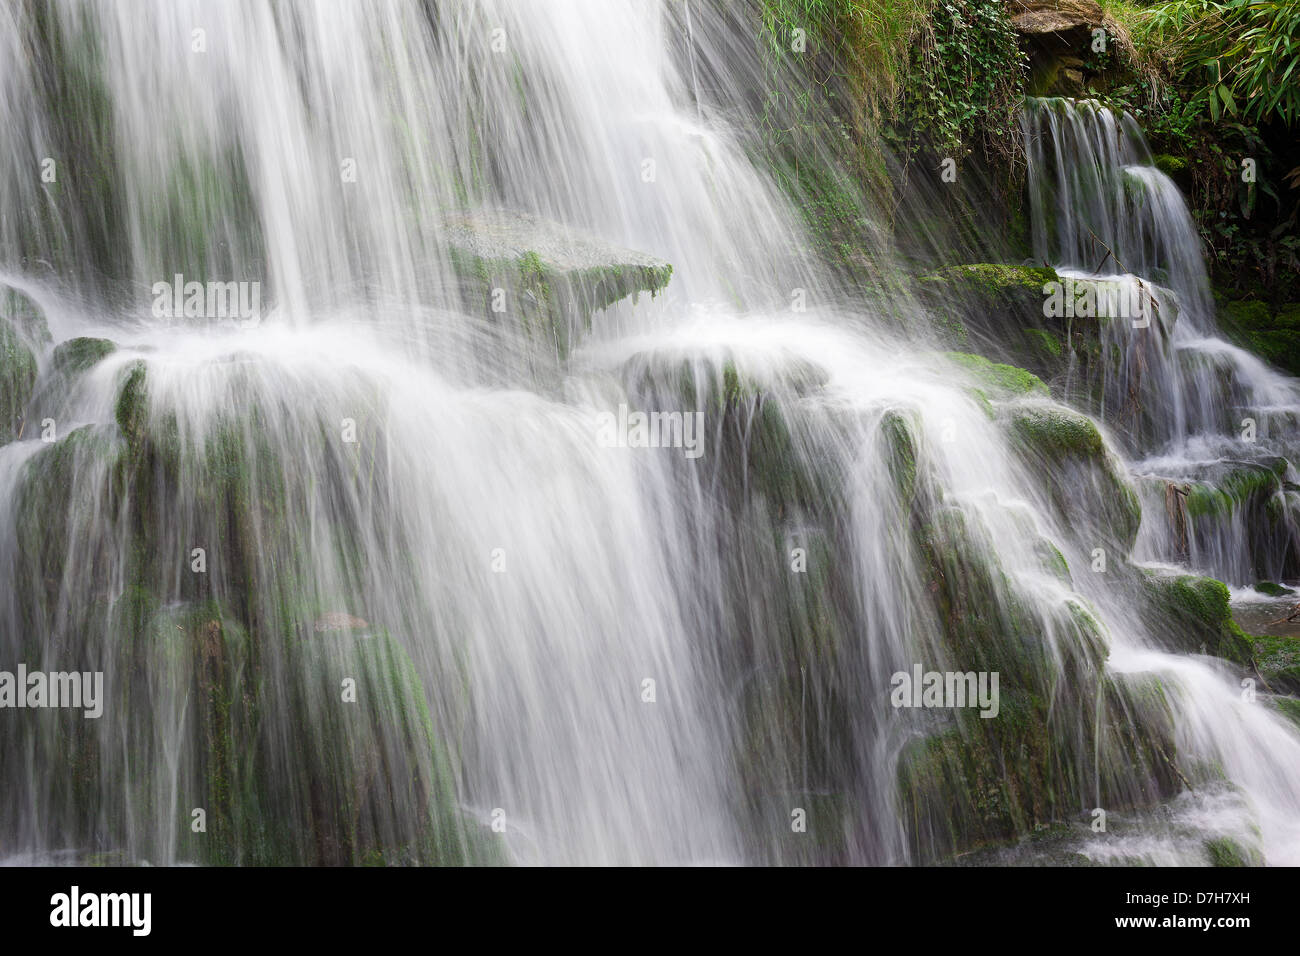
[(966, 82), (1242, 57)]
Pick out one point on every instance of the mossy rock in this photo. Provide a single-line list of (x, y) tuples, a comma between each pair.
[(1272, 590), (1086, 483), (131, 410), (1242, 486), (26, 317), (997, 310), (59, 380), (1057, 432), (1227, 852), (996, 380), (381, 785), (984, 782), (1194, 616), (995, 282), (1002, 312), (553, 277), (1277, 660), (1172, 166), (75, 356), (23, 334), (899, 432), (753, 419), (1288, 707), (985, 627), (58, 532), (1272, 335)]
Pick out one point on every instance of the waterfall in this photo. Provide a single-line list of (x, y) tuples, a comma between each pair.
[(403, 526), (1199, 413)]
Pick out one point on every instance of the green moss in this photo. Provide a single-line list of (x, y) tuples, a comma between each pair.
[(1289, 708), (990, 285), (1003, 309), (1288, 316), (1274, 337), (1243, 486), (551, 276), (77, 355), (901, 443), (25, 316), (1272, 590), (1001, 381), (1225, 851), (1053, 560), (1170, 165), (385, 781), (56, 529), (1086, 483), (1247, 314), (132, 408), (1057, 432), (1277, 660), (1050, 344), (1194, 614), (1280, 347)]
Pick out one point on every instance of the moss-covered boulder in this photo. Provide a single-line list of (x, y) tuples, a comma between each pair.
[(1194, 615), (1235, 487), (1006, 313), (1237, 511), (752, 429), (66, 503), (1273, 590), (1271, 333), (549, 278), (131, 410), (984, 782), (989, 301), (1087, 484), (80, 354), (968, 781), (998, 381), (1172, 166), (23, 333), (363, 778), (1277, 661), (58, 387)]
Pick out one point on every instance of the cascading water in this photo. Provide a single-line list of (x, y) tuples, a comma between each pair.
[(1200, 414), (363, 572)]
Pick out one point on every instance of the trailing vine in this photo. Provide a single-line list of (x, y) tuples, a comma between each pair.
[(965, 85)]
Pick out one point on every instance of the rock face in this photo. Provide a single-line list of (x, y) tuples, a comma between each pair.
[(552, 277), (1060, 17), (1274, 335), (23, 333), (1058, 36), (998, 311)]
